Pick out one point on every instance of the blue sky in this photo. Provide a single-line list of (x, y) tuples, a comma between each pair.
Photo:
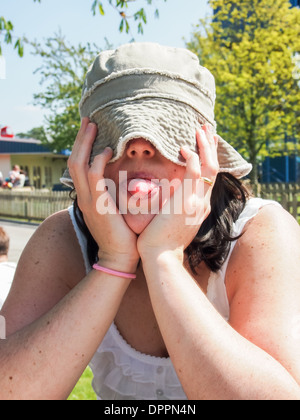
[(76, 21)]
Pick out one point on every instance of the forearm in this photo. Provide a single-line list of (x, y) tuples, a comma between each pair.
[(45, 359), (212, 360)]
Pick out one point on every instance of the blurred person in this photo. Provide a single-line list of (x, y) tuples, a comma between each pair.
[(21, 181), (16, 177), (7, 269), (14, 174)]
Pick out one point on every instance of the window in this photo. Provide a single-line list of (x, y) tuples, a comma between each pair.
[(48, 176), (37, 177)]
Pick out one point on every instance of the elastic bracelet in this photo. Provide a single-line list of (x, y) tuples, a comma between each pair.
[(114, 272)]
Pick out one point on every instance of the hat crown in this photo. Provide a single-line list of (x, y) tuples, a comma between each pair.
[(144, 70), (151, 56)]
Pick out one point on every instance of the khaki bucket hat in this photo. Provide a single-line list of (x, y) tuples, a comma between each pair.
[(159, 93)]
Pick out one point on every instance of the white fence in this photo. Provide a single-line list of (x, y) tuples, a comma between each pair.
[(32, 205)]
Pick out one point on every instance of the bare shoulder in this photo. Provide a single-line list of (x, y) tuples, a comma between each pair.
[(270, 221), (270, 244), (55, 240), (263, 285), (56, 236), (50, 266)]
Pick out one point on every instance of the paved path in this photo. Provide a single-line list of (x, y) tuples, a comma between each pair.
[(19, 234)]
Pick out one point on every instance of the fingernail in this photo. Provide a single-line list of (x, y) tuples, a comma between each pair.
[(185, 148), (84, 121), (207, 127), (108, 150), (90, 127)]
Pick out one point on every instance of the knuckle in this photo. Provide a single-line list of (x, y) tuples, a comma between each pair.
[(216, 169), (70, 161), (195, 173), (73, 163), (93, 176)]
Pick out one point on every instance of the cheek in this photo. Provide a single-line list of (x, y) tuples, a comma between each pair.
[(109, 171), (177, 176), (178, 172)]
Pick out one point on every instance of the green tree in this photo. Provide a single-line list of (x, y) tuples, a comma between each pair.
[(62, 74), (125, 9), (35, 133), (126, 12), (6, 31), (250, 47)]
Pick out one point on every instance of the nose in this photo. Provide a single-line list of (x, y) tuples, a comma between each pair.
[(140, 148)]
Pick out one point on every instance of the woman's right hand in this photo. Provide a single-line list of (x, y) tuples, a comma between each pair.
[(117, 242)]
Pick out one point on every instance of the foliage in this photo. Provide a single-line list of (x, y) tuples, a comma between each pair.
[(122, 7), (83, 391), (62, 73), (250, 48), (34, 133), (7, 27)]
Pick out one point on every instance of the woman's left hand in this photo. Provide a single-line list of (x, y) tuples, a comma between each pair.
[(180, 218)]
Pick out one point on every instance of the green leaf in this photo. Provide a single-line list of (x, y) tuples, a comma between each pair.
[(93, 8), (19, 46), (101, 10), (121, 27)]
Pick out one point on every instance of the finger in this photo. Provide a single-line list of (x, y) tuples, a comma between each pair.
[(212, 138), (84, 141), (208, 154), (79, 160), (96, 171), (193, 169), (104, 190), (77, 144), (194, 192), (209, 132), (216, 139), (204, 148)]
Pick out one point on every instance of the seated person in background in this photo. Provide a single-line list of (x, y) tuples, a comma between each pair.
[(14, 175)]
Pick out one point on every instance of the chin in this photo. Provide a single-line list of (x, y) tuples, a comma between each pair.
[(139, 222)]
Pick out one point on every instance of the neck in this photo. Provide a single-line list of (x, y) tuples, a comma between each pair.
[(3, 258)]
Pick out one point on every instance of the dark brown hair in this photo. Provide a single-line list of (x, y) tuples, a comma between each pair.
[(212, 242)]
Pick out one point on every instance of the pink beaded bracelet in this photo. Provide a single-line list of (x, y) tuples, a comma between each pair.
[(114, 272)]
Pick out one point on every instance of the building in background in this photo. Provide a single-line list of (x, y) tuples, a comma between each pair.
[(43, 167)]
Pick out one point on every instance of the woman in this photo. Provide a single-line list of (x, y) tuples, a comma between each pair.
[(165, 272)]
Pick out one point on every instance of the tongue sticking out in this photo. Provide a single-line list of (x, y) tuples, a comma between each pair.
[(141, 188)]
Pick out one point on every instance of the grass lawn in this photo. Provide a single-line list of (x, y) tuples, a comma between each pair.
[(83, 391)]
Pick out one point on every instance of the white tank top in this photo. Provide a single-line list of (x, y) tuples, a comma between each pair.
[(123, 373)]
